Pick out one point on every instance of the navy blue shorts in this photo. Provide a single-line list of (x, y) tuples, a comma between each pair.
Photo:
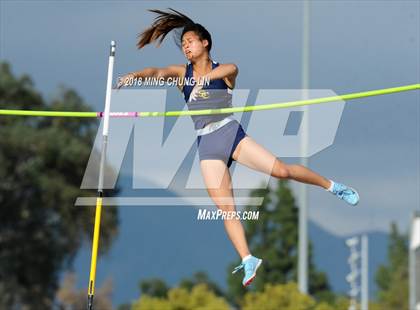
[(221, 143)]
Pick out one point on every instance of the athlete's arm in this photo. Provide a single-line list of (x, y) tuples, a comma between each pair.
[(172, 71), (227, 72)]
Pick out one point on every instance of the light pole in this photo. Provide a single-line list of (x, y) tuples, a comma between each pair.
[(303, 210), (352, 277), (358, 257), (364, 297)]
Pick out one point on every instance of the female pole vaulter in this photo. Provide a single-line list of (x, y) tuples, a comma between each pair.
[(221, 138)]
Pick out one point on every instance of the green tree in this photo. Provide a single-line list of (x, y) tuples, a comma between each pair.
[(274, 237), (285, 297), (42, 165), (154, 287), (157, 288), (199, 298), (392, 278), (69, 297), (201, 277)]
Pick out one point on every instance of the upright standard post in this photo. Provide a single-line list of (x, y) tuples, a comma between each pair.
[(91, 287)]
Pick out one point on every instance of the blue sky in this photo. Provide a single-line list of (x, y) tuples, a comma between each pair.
[(354, 46)]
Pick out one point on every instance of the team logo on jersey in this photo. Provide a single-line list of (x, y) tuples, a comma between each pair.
[(199, 93), (203, 94)]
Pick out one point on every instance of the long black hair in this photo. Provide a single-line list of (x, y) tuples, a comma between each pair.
[(165, 22)]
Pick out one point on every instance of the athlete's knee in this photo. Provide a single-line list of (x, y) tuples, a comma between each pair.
[(223, 202), (280, 170), (226, 207)]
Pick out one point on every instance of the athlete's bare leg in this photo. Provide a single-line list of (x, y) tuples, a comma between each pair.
[(254, 156), (219, 186)]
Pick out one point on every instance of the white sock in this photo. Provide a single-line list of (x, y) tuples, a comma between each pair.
[(246, 257), (330, 189)]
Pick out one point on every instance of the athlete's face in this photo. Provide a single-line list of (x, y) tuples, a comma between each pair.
[(192, 46)]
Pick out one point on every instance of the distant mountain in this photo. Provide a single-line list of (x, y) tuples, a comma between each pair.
[(170, 243)]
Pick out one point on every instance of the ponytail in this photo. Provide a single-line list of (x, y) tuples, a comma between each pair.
[(165, 22)]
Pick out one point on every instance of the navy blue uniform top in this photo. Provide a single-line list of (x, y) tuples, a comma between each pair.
[(216, 95)]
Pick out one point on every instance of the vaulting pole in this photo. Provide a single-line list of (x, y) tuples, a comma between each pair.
[(96, 232)]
